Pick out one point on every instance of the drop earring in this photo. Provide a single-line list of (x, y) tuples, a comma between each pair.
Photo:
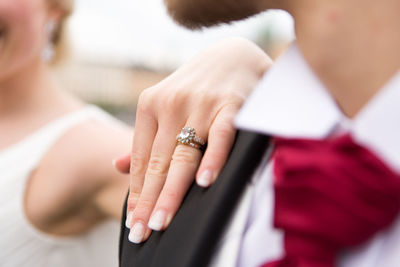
[(48, 51)]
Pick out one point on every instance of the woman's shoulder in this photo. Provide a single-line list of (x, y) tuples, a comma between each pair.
[(89, 148), (78, 168)]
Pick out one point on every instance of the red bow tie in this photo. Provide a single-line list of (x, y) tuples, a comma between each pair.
[(330, 195)]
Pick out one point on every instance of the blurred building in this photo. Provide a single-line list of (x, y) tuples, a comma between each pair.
[(107, 85)]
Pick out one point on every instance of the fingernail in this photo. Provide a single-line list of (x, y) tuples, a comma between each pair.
[(137, 233), (128, 221), (114, 162), (147, 234), (205, 178), (157, 221), (168, 222)]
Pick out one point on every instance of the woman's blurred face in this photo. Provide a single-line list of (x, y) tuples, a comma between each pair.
[(22, 35)]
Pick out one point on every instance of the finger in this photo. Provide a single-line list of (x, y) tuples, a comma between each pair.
[(220, 141), (145, 131), (181, 174), (123, 163), (157, 170)]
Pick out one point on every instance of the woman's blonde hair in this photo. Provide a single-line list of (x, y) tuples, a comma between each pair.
[(59, 37)]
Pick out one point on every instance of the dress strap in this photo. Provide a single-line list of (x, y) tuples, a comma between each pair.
[(37, 144)]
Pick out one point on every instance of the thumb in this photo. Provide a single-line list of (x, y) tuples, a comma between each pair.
[(122, 164)]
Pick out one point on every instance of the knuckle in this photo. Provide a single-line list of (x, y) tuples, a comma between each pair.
[(175, 100), (157, 166), (145, 102), (209, 98), (234, 95), (138, 164), (136, 188), (183, 155), (171, 102), (232, 98)]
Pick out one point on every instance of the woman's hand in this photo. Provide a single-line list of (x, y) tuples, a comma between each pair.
[(205, 94)]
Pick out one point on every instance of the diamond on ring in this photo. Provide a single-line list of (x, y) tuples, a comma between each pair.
[(187, 136)]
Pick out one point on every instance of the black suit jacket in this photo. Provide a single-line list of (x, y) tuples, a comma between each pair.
[(191, 237)]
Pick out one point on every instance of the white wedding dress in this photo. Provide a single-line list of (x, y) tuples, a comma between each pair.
[(21, 244)]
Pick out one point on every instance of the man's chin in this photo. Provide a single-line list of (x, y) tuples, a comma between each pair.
[(196, 14)]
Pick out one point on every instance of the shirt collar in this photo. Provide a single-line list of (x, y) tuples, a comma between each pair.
[(290, 101), (377, 126)]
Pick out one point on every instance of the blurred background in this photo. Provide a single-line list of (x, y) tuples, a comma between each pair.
[(117, 48)]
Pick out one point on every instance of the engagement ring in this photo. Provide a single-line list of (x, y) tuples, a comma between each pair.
[(188, 137)]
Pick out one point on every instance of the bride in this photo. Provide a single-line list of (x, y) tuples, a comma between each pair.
[(60, 196)]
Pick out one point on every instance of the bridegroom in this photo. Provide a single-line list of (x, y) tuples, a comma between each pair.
[(327, 191)]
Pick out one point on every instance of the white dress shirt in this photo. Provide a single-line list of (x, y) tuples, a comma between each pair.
[(290, 101)]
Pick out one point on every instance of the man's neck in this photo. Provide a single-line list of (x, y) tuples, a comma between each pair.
[(353, 46)]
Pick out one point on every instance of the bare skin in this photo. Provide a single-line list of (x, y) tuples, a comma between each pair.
[(75, 185), (210, 90), (29, 100), (98, 190), (351, 45), (70, 168)]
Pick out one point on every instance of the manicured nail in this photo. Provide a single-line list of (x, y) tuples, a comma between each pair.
[(128, 221), (205, 178), (147, 234), (168, 222), (137, 233), (157, 221)]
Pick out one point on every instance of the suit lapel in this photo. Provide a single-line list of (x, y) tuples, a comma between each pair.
[(190, 239)]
